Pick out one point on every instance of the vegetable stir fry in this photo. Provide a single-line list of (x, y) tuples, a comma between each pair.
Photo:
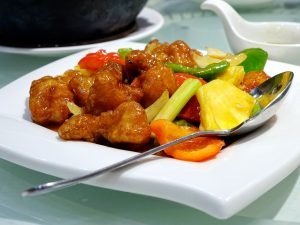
[(136, 99)]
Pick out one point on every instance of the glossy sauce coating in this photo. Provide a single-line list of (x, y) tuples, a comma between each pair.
[(112, 98)]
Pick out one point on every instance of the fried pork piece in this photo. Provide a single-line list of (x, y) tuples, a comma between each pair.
[(126, 124), (80, 127), (48, 100), (158, 50), (253, 79), (155, 81), (108, 91), (68, 75), (177, 52), (139, 61), (80, 85), (136, 62)]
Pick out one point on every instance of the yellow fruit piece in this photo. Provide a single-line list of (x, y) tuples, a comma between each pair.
[(234, 75), (223, 105)]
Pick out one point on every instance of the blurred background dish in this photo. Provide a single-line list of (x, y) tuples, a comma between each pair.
[(48, 23), (247, 3), (147, 22)]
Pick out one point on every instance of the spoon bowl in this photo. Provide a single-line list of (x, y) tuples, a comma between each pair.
[(280, 39), (269, 95)]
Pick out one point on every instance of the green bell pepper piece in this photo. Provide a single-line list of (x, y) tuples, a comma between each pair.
[(208, 73), (256, 59), (123, 52)]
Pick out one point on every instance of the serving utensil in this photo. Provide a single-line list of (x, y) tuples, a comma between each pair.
[(280, 39), (269, 95)]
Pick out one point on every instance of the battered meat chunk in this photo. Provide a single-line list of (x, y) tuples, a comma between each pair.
[(155, 81), (253, 79), (179, 52), (108, 91), (158, 50), (80, 85), (68, 75), (139, 61), (48, 100), (126, 124), (136, 62), (80, 127)]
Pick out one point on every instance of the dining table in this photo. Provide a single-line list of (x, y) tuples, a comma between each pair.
[(85, 204)]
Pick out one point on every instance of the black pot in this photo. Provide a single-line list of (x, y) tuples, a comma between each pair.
[(39, 23)]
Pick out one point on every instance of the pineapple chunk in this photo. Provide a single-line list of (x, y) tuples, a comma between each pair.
[(223, 105), (234, 75)]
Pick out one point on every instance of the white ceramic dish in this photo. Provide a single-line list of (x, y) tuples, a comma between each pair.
[(220, 187), (148, 22), (252, 3)]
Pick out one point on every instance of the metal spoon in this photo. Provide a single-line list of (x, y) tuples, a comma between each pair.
[(280, 39), (269, 95)]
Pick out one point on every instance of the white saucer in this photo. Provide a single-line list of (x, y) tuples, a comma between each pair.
[(148, 22), (252, 3)]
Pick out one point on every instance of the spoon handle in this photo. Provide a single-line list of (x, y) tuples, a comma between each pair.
[(64, 183)]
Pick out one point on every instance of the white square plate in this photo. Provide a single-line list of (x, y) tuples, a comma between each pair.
[(220, 187)]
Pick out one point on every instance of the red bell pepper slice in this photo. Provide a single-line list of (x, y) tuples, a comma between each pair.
[(94, 61), (196, 149), (191, 111)]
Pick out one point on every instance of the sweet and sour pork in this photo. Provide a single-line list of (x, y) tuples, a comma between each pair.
[(125, 124), (48, 100), (112, 98), (108, 91)]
